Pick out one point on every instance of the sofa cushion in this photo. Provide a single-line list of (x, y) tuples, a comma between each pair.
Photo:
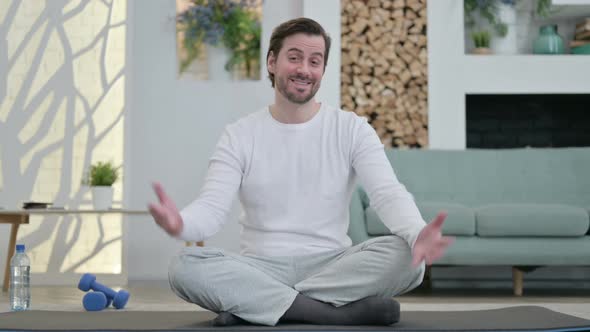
[(460, 219), (475, 177), (375, 226), (531, 220), (357, 228), (531, 251)]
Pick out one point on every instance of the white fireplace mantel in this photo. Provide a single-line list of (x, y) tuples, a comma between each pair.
[(453, 74), (570, 2)]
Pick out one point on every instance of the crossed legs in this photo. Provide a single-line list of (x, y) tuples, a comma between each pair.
[(344, 287)]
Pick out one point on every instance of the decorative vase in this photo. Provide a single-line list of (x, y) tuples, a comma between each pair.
[(217, 57), (548, 41), (102, 197), (509, 43)]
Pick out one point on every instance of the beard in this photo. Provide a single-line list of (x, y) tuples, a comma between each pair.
[(296, 98)]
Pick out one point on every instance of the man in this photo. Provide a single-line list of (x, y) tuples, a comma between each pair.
[(294, 166)]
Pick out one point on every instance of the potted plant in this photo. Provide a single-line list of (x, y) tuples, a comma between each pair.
[(481, 40), (100, 178), (230, 24), (544, 8), (500, 17), (489, 10)]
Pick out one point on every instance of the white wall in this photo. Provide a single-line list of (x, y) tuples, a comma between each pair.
[(62, 107), (452, 74), (174, 123), (327, 13), (445, 50)]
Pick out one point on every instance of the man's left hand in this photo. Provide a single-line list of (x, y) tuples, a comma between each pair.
[(431, 244)]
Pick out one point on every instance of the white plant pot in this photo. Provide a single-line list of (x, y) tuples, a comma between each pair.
[(217, 57), (509, 43), (102, 197)]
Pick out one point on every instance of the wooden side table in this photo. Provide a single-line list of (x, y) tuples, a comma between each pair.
[(15, 219), (18, 217)]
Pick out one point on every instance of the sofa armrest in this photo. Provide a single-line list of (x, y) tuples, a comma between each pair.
[(357, 227)]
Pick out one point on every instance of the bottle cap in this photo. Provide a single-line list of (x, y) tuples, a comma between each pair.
[(20, 247)]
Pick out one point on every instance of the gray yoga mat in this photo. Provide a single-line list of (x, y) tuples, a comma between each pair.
[(522, 318)]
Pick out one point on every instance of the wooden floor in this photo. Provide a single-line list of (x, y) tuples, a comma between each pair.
[(157, 296)]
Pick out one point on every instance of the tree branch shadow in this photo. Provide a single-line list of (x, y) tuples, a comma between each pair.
[(21, 183)]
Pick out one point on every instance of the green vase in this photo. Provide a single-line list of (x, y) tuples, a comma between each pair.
[(549, 41)]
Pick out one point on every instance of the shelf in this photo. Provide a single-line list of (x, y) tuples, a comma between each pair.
[(525, 25), (545, 57), (570, 2), (563, 62), (526, 73)]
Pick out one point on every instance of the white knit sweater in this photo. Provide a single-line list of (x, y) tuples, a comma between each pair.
[(295, 182)]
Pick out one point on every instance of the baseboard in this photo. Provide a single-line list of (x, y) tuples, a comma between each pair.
[(507, 284), (71, 279)]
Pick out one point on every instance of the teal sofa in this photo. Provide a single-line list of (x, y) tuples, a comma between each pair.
[(524, 208)]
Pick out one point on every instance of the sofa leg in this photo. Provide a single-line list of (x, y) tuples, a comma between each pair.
[(517, 282), (427, 282)]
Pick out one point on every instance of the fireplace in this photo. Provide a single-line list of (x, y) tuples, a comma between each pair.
[(527, 120)]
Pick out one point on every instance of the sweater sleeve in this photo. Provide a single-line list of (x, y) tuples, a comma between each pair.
[(390, 199), (206, 215)]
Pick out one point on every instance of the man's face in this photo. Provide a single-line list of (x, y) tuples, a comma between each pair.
[(299, 67)]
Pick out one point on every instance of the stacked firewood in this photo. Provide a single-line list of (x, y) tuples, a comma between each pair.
[(384, 68)]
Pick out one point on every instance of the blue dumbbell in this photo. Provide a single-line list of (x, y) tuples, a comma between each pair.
[(95, 301), (88, 281)]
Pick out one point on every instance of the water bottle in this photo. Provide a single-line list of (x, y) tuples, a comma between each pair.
[(20, 292)]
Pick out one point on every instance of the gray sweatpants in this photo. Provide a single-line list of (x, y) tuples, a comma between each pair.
[(261, 289)]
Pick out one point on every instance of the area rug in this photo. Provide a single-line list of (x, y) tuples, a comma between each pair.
[(521, 318)]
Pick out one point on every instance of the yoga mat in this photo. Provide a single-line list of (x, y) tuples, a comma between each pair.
[(521, 318)]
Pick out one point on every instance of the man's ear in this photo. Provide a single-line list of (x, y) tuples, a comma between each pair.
[(271, 62)]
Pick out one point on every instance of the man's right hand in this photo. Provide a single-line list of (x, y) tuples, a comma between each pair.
[(165, 213)]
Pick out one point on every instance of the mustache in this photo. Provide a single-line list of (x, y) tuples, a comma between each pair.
[(301, 78)]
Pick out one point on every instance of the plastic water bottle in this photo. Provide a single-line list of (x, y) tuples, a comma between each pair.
[(20, 291)]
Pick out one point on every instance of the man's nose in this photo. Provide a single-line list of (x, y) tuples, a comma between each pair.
[(303, 68)]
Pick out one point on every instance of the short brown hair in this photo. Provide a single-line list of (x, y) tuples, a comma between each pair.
[(291, 27)]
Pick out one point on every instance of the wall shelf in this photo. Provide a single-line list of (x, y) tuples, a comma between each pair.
[(526, 74), (454, 74)]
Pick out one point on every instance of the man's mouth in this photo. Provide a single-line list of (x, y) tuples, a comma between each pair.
[(300, 82)]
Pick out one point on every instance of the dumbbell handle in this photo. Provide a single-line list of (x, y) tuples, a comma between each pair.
[(98, 287)]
